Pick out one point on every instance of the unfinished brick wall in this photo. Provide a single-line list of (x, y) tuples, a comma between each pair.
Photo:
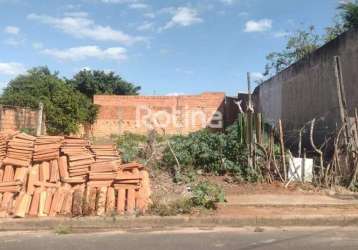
[(119, 114), (18, 118)]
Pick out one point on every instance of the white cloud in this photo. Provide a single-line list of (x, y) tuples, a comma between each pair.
[(14, 41), (184, 16), (72, 6), (258, 26), (11, 68), (76, 14), (138, 6), (83, 27), (85, 52), (257, 76), (86, 68), (13, 30), (345, 1), (145, 26)]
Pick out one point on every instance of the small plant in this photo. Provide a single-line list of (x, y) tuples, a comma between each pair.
[(30, 131), (130, 146), (63, 229), (176, 207), (206, 194)]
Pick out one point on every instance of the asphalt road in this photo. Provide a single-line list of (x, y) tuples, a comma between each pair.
[(246, 238)]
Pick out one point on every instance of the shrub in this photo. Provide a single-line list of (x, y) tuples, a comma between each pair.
[(216, 153), (206, 195), (131, 146)]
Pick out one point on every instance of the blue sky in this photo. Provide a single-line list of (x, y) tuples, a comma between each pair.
[(165, 47)]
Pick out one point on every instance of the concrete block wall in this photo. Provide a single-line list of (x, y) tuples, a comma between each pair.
[(308, 89), (119, 114)]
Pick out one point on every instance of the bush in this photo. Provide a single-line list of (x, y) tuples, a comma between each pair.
[(216, 153), (202, 150), (131, 146), (206, 195)]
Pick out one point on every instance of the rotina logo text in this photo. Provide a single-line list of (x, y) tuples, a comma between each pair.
[(151, 118)]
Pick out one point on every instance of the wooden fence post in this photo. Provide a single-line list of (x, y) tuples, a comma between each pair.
[(283, 156), (258, 127), (342, 102)]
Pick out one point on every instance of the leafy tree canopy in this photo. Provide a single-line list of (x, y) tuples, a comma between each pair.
[(349, 13), (299, 44), (65, 108), (92, 82), (346, 19), (303, 42)]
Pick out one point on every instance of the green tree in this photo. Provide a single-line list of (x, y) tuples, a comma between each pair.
[(345, 20), (65, 108), (300, 44), (349, 13), (92, 82)]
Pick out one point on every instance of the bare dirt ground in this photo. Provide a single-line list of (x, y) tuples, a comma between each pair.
[(162, 184), (165, 190)]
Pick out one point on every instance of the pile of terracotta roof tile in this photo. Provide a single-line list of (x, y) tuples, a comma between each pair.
[(103, 153), (51, 175), (3, 143), (79, 157), (19, 150), (47, 148)]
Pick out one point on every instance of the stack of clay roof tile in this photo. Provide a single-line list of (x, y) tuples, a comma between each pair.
[(117, 188), (50, 186), (14, 169), (44, 194), (3, 145), (47, 148), (20, 150), (105, 152), (133, 188), (79, 158)]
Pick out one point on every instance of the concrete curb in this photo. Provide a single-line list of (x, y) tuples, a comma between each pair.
[(159, 223)]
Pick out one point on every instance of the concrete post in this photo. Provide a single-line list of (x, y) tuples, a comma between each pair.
[(39, 119)]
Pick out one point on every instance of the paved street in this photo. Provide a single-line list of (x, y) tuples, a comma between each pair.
[(246, 238)]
